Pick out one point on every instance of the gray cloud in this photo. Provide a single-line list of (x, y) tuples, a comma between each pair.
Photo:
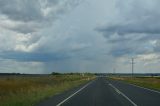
[(53, 35), (130, 48), (135, 18), (33, 57), (21, 10), (30, 16), (136, 28), (35, 10), (157, 46)]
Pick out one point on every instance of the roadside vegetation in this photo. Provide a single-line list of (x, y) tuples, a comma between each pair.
[(27, 91), (147, 82)]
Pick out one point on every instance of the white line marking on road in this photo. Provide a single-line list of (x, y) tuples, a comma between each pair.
[(145, 88), (115, 88), (59, 104), (118, 91)]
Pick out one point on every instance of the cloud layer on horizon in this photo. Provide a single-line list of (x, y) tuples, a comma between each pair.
[(79, 35)]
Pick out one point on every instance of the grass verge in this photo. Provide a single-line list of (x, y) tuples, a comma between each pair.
[(27, 91), (147, 82)]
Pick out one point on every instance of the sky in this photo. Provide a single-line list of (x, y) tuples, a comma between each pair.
[(44, 36)]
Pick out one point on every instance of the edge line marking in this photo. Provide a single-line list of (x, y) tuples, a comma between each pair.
[(144, 88), (59, 104)]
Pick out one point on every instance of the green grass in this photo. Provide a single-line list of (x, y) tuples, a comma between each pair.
[(147, 82), (27, 91)]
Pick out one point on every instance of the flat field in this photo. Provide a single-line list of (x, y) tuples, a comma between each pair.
[(27, 91), (147, 82)]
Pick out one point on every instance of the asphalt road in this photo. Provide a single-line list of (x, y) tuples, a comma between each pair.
[(105, 92)]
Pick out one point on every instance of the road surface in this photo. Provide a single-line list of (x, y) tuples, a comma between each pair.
[(105, 92)]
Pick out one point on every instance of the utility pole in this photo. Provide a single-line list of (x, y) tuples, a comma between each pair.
[(132, 66)]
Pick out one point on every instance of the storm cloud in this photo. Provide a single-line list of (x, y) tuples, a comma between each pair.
[(29, 16), (136, 28), (79, 35)]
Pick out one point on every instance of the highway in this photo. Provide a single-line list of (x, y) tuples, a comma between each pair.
[(105, 92)]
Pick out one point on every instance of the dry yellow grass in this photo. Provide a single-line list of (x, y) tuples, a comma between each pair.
[(26, 91), (148, 82)]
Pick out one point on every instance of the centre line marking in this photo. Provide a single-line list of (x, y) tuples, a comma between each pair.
[(118, 91)]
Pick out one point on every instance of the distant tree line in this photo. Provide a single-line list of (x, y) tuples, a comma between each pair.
[(71, 73), (9, 73)]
